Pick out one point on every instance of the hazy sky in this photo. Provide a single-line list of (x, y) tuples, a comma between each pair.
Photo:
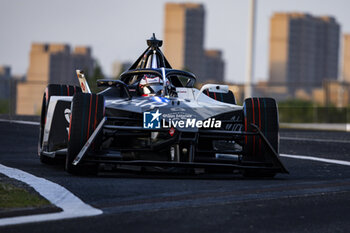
[(118, 29)]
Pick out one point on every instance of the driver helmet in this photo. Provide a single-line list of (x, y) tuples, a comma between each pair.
[(151, 85)]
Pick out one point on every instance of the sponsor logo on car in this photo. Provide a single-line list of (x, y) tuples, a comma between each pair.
[(151, 120), (156, 120)]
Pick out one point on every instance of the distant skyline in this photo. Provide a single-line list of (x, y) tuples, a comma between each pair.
[(117, 30)]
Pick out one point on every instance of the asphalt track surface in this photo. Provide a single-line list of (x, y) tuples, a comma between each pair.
[(314, 197)]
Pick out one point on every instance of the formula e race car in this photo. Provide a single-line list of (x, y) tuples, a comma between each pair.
[(154, 117)]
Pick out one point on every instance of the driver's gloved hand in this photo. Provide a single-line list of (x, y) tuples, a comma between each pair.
[(172, 92)]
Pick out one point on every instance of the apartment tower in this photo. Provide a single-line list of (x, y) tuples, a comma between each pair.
[(346, 58), (303, 50), (214, 66), (50, 64), (184, 36)]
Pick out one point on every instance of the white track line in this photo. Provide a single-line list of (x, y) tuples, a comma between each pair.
[(21, 122), (318, 126), (71, 205), (334, 161), (314, 140)]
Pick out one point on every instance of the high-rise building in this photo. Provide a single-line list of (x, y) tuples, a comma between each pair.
[(184, 42), (214, 66), (50, 64), (5, 79), (346, 58), (8, 88), (303, 50), (184, 36)]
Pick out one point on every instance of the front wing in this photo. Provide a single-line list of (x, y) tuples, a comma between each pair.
[(271, 162)]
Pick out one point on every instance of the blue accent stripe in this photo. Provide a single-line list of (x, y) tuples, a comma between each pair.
[(222, 99), (244, 110)]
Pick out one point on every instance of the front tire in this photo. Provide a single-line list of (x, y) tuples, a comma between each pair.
[(263, 113), (87, 112)]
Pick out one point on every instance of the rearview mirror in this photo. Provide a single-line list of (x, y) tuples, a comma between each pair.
[(114, 83), (108, 83)]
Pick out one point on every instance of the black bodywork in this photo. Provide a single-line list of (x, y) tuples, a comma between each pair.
[(127, 142), (123, 140)]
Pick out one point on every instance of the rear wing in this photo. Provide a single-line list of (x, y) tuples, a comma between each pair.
[(82, 81), (213, 88)]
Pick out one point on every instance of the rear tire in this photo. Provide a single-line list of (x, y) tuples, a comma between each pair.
[(263, 113), (87, 112), (51, 90)]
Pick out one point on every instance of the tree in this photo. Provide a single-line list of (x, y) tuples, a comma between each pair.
[(97, 74)]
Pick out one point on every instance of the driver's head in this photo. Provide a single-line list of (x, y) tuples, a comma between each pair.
[(151, 84)]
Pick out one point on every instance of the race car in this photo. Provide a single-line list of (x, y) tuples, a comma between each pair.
[(154, 117)]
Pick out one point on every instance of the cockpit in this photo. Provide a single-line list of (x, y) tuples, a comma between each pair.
[(151, 74)]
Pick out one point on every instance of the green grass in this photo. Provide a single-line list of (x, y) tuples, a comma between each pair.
[(14, 197), (4, 106), (301, 111)]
